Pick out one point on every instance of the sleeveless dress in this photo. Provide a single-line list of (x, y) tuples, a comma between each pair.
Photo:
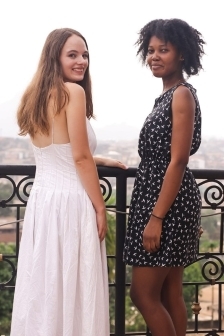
[(180, 229), (62, 284)]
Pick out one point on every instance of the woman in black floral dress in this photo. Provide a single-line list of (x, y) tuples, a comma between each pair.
[(164, 219)]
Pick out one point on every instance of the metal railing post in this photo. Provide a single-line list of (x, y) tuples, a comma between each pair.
[(121, 193)]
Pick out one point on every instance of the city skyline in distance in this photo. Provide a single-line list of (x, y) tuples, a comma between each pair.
[(114, 130)]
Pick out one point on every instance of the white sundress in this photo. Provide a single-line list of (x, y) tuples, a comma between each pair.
[(62, 283)]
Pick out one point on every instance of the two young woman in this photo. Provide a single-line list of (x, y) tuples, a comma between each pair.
[(61, 287)]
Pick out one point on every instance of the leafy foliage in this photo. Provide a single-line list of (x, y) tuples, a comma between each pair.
[(134, 321), (192, 273), (5, 193), (6, 296), (210, 225)]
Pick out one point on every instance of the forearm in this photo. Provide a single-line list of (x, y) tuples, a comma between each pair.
[(88, 175), (170, 187), (99, 161)]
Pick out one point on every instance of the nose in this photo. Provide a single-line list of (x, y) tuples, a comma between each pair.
[(155, 56), (81, 60)]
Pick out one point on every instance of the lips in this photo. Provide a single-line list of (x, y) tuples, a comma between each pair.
[(156, 66), (78, 69)]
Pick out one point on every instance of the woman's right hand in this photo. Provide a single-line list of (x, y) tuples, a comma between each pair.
[(101, 220)]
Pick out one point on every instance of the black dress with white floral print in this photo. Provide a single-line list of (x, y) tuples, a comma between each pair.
[(180, 230)]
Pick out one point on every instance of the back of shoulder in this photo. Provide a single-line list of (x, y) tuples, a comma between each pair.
[(75, 90)]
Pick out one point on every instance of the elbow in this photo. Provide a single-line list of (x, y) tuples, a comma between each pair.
[(81, 159), (180, 163)]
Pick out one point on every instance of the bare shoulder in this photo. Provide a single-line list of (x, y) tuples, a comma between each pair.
[(183, 93), (74, 90), (183, 101)]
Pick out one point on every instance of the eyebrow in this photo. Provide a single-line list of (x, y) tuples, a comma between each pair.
[(85, 52), (161, 45)]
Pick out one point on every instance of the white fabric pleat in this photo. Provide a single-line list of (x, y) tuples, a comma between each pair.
[(62, 283)]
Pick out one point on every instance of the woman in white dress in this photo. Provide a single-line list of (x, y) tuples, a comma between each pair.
[(62, 285)]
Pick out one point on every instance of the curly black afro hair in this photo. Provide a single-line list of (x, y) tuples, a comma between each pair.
[(179, 33)]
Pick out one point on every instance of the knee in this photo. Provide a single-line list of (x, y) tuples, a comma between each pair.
[(171, 298), (137, 297), (134, 295), (142, 300)]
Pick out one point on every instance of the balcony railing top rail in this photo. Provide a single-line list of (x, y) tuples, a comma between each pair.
[(116, 182)]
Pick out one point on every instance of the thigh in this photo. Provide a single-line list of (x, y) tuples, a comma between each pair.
[(172, 286), (148, 281)]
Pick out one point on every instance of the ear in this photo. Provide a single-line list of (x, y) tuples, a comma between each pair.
[(181, 58)]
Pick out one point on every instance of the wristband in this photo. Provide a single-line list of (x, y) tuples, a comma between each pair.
[(157, 217)]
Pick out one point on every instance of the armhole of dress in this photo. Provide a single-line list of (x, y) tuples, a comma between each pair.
[(170, 109), (193, 94)]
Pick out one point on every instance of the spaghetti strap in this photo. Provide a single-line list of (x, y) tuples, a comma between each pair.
[(52, 131)]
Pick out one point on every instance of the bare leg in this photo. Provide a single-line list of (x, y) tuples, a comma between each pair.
[(145, 293), (172, 299)]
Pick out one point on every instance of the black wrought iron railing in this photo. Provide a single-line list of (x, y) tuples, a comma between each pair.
[(116, 187)]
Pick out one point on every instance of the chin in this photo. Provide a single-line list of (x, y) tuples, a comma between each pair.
[(157, 75), (74, 79), (78, 79)]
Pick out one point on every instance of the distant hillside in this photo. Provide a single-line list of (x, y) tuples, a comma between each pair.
[(118, 143), (9, 143), (117, 132)]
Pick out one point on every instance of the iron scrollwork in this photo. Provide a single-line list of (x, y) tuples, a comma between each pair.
[(106, 188), (213, 194), (212, 333), (216, 270), (4, 202), (8, 282), (22, 190)]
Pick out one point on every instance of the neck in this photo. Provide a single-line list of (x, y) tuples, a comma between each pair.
[(170, 84)]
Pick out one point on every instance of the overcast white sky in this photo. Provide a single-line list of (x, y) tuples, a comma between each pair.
[(123, 90)]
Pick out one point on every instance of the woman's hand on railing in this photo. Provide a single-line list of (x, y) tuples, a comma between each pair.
[(103, 161)]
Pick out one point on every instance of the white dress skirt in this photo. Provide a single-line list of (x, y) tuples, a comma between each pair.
[(62, 283)]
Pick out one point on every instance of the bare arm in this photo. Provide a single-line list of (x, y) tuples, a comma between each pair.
[(103, 161), (183, 107), (85, 165), (183, 113)]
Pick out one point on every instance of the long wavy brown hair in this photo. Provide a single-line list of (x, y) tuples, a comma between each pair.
[(32, 112)]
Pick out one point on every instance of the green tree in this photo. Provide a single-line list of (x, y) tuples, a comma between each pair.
[(6, 296), (110, 247), (192, 273), (5, 193), (208, 245), (134, 320), (210, 224)]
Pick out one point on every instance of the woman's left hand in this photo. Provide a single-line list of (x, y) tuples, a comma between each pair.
[(152, 234)]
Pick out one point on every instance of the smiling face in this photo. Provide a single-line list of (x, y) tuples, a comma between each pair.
[(74, 59), (163, 58)]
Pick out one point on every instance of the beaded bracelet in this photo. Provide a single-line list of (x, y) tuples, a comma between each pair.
[(157, 217)]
